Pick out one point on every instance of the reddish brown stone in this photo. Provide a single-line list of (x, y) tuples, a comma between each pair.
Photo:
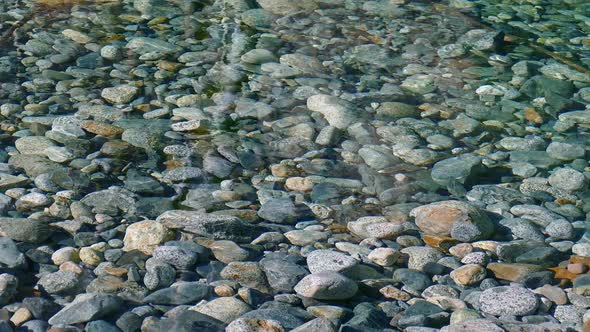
[(512, 272), (441, 243)]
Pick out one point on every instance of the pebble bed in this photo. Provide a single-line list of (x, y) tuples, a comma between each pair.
[(294, 165)]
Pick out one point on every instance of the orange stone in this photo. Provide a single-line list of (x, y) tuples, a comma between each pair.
[(580, 259), (391, 292), (512, 272), (530, 114), (101, 128), (441, 243), (561, 273)]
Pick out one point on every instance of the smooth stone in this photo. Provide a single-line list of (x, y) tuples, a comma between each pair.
[(25, 230), (179, 293), (457, 219), (225, 309), (145, 236), (326, 285), (87, 307), (339, 113), (470, 274), (375, 227), (508, 300), (218, 227), (120, 94), (329, 260)]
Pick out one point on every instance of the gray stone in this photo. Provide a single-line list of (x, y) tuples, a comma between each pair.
[(421, 256), (87, 307), (508, 300), (25, 230), (219, 227), (326, 285), (330, 260), (225, 309), (282, 273), (316, 325), (143, 45), (458, 169), (179, 293), (339, 113), (10, 256), (58, 282), (178, 257), (565, 151), (567, 179), (119, 94), (8, 288), (278, 210)]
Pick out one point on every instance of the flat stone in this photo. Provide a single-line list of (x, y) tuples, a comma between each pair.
[(120, 94), (143, 45), (507, 300), (339, 113), (218, 227), (329, 260), (254, 325), (33, 144), (375, 227), (326, 285), (306, 237), (25, 230), (87, 307), (10, 255), (179, 293), (225, 309), (8, 181)]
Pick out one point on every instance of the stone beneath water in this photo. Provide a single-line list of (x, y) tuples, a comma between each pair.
[(87, 307), (508, 300), (218, 227)]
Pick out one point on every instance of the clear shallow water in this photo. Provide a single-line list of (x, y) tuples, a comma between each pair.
[(415, 144)]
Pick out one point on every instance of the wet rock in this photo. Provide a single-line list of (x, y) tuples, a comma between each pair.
[(25, 230), (145, 236), (337, 112), (10, 256), (179, 293), (329, 260), (375, 227), (282, 273), (218, 227), (508, 300), (326, 285), (248, 274), (86, 307), (8, 288), (225, 309)]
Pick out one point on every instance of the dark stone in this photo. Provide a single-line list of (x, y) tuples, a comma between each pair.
[(412, 278), (187, 321), (367, 318), (181, 293), (282, 275), (288, 316), (129, 322), (41, 308)]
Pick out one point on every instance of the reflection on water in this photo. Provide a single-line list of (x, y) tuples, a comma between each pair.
[(290, 160)]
